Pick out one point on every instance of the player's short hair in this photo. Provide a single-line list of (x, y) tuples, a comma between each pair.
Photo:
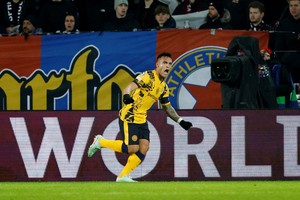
[(164, 54)]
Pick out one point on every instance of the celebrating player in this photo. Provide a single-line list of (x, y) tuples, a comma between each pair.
[(138, 97)]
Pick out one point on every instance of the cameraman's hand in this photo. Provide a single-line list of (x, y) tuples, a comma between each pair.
[(127, 99), (185, 124)]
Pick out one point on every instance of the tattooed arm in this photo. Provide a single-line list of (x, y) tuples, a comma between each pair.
[(171, 112)]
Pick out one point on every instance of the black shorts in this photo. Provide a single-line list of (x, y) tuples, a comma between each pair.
[(133, 132)]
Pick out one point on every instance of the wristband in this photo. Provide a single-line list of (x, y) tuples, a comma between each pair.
[(179, 120)]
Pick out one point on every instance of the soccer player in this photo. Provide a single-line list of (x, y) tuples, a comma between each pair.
[(138, 97)]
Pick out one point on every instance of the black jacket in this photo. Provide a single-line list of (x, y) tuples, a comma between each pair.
[(146, 17), (287, 45), (170, 23), (288, 34), (262, 26), (128, 23)]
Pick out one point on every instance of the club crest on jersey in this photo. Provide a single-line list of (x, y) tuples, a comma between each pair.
[(190, 81)]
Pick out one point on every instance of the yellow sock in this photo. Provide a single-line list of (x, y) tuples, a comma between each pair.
[(115, 145), (132, 162)]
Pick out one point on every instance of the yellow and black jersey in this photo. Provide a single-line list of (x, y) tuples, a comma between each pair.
[(150, 90)]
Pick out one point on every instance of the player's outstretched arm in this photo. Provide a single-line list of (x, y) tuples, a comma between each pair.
[(171, 112)]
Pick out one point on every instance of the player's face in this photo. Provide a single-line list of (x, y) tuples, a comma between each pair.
[(163, 67)]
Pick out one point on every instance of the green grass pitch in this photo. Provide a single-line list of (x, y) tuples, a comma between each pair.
[(151, 190)]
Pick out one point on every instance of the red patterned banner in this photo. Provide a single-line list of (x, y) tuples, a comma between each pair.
[(88, 71)]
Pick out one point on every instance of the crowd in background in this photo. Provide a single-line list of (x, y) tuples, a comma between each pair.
[(92, 15), (280, 17)]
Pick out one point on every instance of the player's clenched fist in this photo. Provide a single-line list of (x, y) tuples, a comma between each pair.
[(185, 124)]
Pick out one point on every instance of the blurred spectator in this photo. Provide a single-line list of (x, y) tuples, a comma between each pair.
[(280, 76), (273, 11), (93, 13), (239, 13), (71, 24), (256, 14), (14, 12), (52, 14), (163, 18), (132, 6), (145, 13), (287, 45), (267, 86), (29, 25), (121, 21), (218, 17), (190, 6)]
